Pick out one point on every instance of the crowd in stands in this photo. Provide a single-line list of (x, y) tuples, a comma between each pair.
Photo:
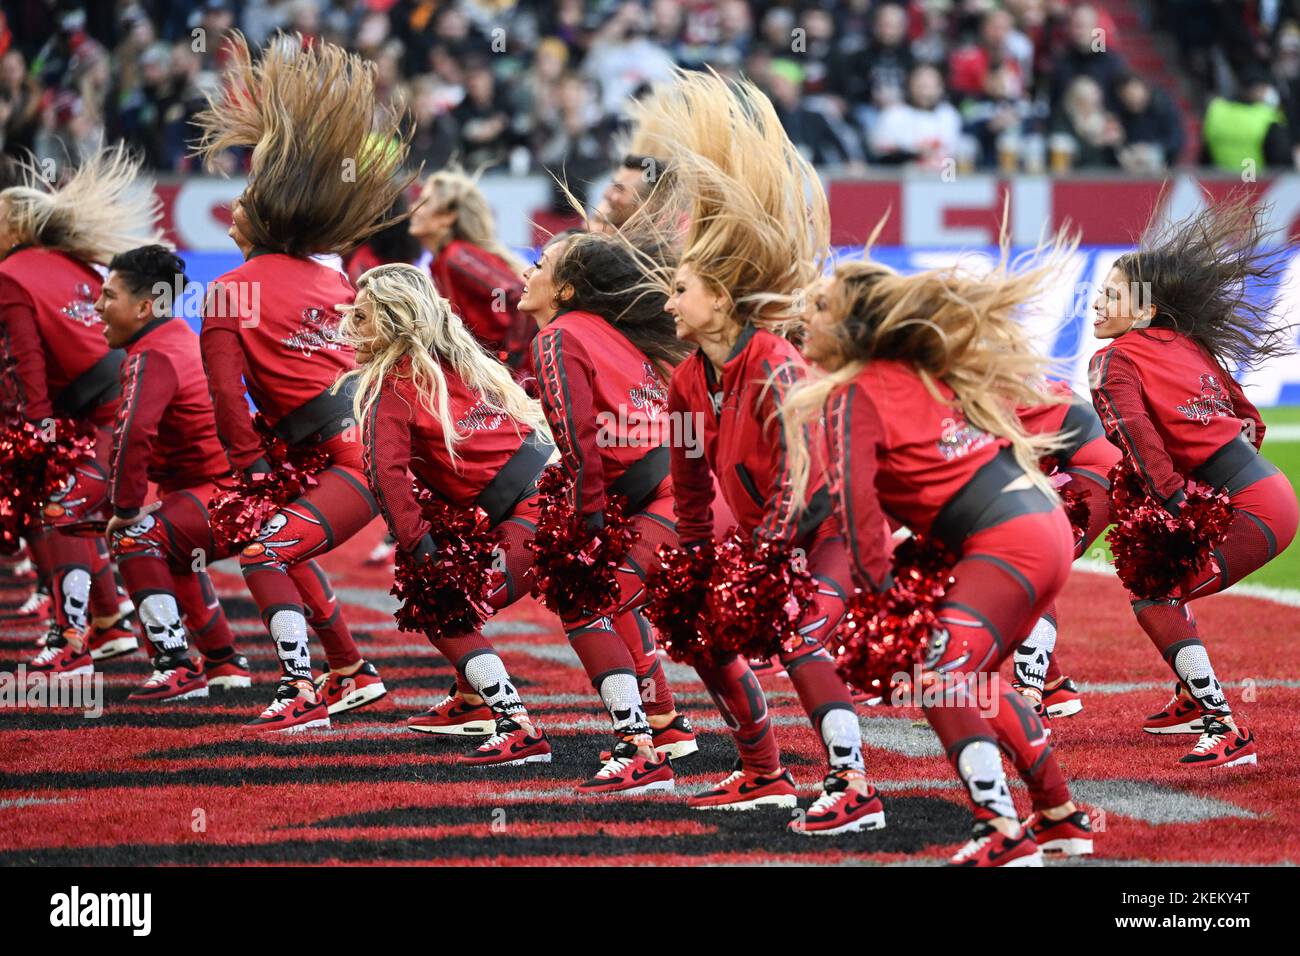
[(544, 85)]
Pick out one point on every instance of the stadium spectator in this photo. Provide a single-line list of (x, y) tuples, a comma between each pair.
[(1248, 128), (1097, 134), (1001, 109), (808, 129), (1089, 53), (1151, 126), (925, 129), (1000, 47)]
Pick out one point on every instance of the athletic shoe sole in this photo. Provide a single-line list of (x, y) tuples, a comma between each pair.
[(359, 698), (872, 821), (780, 800), (644, 788), (475, 728), (83, 671), (535, 758), (194, 694), (321, 723), (1067, 846), (1067, 709), (683, 748), (228, 683), (115, 648), (1187, 727), (1033, 859)]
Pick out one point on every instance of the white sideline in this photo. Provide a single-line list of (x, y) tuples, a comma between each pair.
[(1263, 592)]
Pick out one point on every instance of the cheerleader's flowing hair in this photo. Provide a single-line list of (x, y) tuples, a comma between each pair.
[(951, 326), (744, 210), (411, 322), (327, 156), (1195, 272), (603, 275), (452, 189), (105, 208)]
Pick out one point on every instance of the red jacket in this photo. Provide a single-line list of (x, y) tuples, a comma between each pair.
[(402, 435), (894, 446), (604, 399), (56, 359), (1168, 405), (270, 331), (742, 442), (484, 291), (165, 430)]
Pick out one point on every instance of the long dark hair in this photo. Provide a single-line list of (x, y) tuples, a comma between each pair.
[(1195, 272), (608, 279)]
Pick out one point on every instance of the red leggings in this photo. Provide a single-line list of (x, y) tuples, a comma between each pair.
[(1263, 525), (1008, 575), (824, 696)]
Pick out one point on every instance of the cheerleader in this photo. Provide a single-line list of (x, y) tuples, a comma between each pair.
[(58, 364), (270, 330), (922, 377), (751, 245), (602, 360), (1178, 321), (1079, 468), (470, 266), (433, 403)]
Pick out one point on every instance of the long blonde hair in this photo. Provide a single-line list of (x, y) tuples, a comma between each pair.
[(749, 211), (326, 154), (952, 327), (453, 189), (412, 321), (106, 207)]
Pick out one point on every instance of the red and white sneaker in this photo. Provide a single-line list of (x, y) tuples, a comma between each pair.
[(1182, 715), (626, 771), (745, 791), (344, 692), (173, 678), (1071, 836), (988, 846), (105, 643), (841, 809), (58, 659), (382, 554), (454, 715), (18, 570), (1222, 745), (674, 741), (511, 746), (295, 708), (228, 673), (1063, 700), (36, 606)]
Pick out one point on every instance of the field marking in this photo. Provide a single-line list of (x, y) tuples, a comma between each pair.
[(1289, 432), (1263, 592)]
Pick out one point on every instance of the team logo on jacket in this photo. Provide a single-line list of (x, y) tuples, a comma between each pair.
[(650, 396), (959, 439), (319, 331), (82, 308), (1211, 403), (480, 418)]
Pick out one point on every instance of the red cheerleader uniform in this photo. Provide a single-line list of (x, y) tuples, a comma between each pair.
[(270, 332), (166, 433), (58, 364), (896, 449), (605, 402), (484, 291), (1177, 415), (743, 445)]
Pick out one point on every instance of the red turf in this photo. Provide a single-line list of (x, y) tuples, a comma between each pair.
[(178, 783)]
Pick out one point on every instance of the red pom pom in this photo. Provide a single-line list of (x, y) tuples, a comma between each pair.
[(1077, 510), (35, 462), (239, 510), (885, 634), (678, 589), (758, 593), (446, 594), (1155, 551), (574, 570)]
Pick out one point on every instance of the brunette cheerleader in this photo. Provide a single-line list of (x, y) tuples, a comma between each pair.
[(470, 266), (602, 360), (270, 329), (924, 374), (59, 365), (1179, 322), (751, 245), (433, 403)]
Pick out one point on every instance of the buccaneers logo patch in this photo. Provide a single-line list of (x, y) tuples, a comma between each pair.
[(1211, 403)]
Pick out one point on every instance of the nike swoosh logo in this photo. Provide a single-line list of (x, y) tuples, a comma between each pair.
[(642, 774), (520, 748)]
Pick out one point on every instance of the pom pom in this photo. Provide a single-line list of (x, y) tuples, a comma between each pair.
[(678, 590), (757, 595), (35, 462), (445, 594), (884, 634), (239, 509), (1155, 551), (574, 570)]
